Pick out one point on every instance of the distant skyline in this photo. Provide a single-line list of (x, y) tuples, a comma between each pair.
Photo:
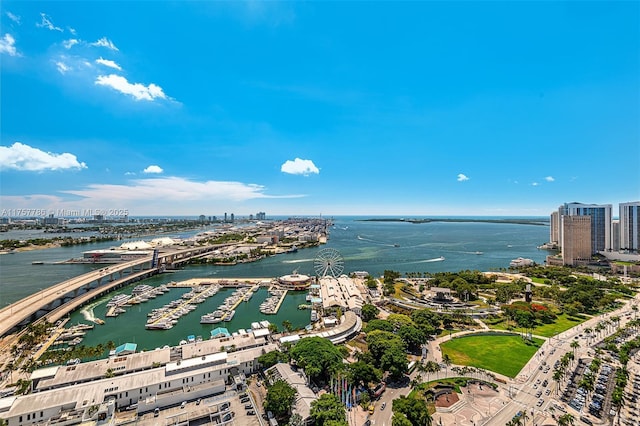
[(308, 108)]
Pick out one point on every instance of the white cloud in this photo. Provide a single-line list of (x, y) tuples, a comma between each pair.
[(8, 45), (26, 158), (299, 167), (14, 18), (549, 179), (153, 169), (105, 42), (72, 30), (172, 189), (137, 90), (108, 63), (62, 67), (68, 44), (130, 173), (462, 177), (534, 184), (47, 23)]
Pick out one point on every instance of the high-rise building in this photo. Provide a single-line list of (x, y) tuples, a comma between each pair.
[(615, 235), (576, 244), (600, 223), (554, 229), (630, 226)]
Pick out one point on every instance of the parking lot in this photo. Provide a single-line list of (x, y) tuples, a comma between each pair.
[(231, 408)]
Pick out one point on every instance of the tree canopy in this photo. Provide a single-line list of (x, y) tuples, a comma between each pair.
[(317, 356), (414, 409), (328, 410), (280, 398), (369, 312)]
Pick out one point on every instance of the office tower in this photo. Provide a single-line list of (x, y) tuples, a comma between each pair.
[(630, 226), (576, 244), (615, 235), (554, 229), (600, 223)]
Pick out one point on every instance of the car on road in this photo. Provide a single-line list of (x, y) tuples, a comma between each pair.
[(540, 402), (372, 409), (384, 404), (184, 404), (251, 413)]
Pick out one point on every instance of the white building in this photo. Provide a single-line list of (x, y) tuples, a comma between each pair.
[(91, 391), (630, 226)]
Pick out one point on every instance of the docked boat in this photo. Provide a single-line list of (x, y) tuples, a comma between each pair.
[(229, 315), (210, 319)]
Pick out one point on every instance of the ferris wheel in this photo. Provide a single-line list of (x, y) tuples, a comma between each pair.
[(328, 262)]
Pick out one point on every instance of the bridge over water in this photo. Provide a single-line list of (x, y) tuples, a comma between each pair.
[(60, 299)]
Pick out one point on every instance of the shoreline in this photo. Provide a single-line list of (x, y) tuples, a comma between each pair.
[(536, 222), (31, 248)]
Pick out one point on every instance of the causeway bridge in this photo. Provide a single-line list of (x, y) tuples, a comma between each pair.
[(60, 299)]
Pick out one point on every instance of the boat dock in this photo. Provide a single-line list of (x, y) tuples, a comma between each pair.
[(242, 299), (176, 309), (50, 341), (272, 304), (284, 294), (224, 282)]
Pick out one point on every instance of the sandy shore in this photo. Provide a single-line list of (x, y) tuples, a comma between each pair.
[(31, 248)]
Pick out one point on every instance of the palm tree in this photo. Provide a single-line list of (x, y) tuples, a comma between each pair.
[(566, 420), (435, 367), (588, 331), (10, 367), (574, 345), (447, 362), (558, 375)]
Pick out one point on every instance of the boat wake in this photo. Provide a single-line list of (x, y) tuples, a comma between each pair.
[(297, 261), (87, 312), (437, 259), (380, 243)]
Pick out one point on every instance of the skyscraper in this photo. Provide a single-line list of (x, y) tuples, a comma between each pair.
[(630, 226), (554, 229), (600, 223), (576, 243)]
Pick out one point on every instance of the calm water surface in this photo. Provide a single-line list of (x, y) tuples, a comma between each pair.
[(364, 246)]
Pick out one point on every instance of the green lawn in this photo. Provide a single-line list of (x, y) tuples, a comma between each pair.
[(562, 323), (504, 354)]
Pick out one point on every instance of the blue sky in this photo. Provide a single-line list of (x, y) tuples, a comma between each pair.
[(394, 108)]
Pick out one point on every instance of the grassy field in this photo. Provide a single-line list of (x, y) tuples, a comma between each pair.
[(504, 354), (562, 323)]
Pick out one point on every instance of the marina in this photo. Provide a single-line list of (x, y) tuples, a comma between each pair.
[(272, 304), (140, 294), (425, 241), (166, 317)]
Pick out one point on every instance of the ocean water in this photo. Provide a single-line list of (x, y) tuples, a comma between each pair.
[(363, 246)]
